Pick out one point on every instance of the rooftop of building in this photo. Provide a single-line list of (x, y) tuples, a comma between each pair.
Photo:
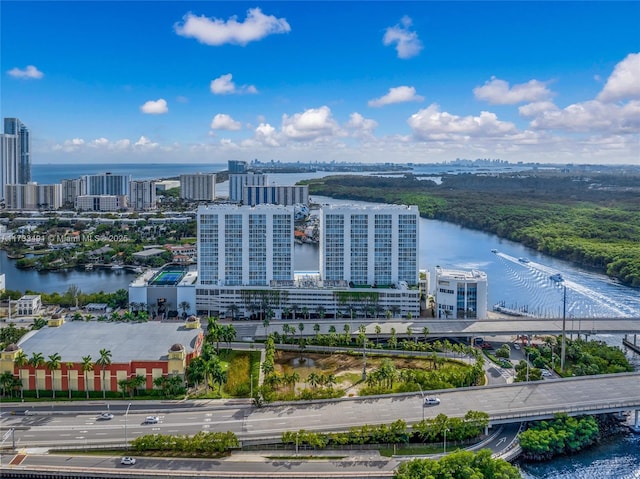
[(127, 342), (369, 207), (461, 275), (169, 275)]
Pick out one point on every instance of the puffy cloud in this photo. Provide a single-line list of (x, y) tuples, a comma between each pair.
[(223, 85), (157, 107), (266, 135), (498, 92), (311, 124), (399, 94), (624, 82), (29, 73), (591, 116), (407, 42), (215, 31), (223, 121), (361, 125), (534, 109), (432, 124)]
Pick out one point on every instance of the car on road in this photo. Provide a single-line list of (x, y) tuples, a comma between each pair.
[(105, 416), (431, 402), (128, 461), (151, 420), (546, 373), (516, 346)]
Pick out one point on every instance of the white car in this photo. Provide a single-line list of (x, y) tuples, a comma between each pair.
[(151, 420), (105, 416), (431, 402), (128, 461), (546, 373)]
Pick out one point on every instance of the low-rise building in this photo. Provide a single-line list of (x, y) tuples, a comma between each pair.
[(460, 294), (101, 202), (29, 305)]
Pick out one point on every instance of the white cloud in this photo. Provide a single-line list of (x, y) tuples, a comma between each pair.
[(222, 121), (266, 135), (215, 31), (223, 85), (624, 82), (531, 110), (29, 73), (146, 143), (407, 42), (498, 92), (312, 124), (157, 107), (399, 94), (591, 116), (361, 125), (432, 124)]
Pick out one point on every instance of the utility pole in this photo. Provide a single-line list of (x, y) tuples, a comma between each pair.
[(126, 414), (564, 321)]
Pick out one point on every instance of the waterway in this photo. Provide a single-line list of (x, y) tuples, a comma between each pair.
[(516, 284)]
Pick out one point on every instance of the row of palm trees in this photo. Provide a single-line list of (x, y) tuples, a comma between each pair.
[(53, 363)]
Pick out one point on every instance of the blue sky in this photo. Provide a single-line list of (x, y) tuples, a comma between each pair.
[(421, 82)]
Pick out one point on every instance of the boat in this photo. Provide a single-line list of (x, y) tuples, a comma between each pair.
[(88, 267), (556, 277), (523, 260), (494, 250), (116, 267)]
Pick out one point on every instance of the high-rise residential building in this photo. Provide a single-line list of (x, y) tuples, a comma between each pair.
[(71, 189), (238, 181), (242, 245), (237, 166), (142, 195), (13, 126), (33, 196), (460, 294), (8, 162), (198, 187), (369, 245), (107, 184), (275, 195), (101, 202)]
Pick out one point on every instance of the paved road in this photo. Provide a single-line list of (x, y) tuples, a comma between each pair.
[(501, 402)]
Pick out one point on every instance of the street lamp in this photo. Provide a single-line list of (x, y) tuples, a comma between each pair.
[(422, 393), (126, 414), (446, 430)]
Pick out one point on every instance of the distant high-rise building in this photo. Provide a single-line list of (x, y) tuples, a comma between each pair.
[(33, 196), (237, 166), (198, 187), (71, 189), (101, 202), (276, 195), (237, 181), (13, 126), (108, 184), (369, 245), (8, 162), (142, 195)]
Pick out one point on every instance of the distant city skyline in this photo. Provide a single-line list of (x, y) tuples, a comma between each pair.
[(187, 82)]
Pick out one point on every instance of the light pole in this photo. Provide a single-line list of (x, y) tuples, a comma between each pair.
[(422, 394), (446, 430), (364, 359), (126, 414)]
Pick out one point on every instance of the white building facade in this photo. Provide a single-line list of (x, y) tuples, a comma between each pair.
[(142, 195), (101, 202), (275, 195), (33, 196), (369, 245), (460, 294), (9, 162), (107, 184), (72, 188), (198, 187), (238, 181)]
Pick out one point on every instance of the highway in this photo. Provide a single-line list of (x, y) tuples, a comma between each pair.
[(61, 424)]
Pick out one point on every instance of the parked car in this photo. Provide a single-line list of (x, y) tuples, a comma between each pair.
[(546, 373), (431, 402), (151, 420), (105, 416), (128, 461)]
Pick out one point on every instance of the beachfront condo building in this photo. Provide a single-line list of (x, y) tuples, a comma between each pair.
[(237, 182), (198, 187), (13, 126)]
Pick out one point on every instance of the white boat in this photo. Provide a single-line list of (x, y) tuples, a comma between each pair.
[(556, 277), (116, 267)]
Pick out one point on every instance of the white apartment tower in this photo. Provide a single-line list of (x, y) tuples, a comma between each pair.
[(369, 245), (244, 246), (72, 188), (238, 181), (107, 184), (142, 195), (275, 195), (13, 126), (33, 196), (198, 187)]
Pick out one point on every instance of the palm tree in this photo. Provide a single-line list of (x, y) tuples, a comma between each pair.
[(103, 361), (316, 328), (35, 361), (425, 332), (233, 309), (313, 379), (184, 306), (378, 330), (69, 365), (19, 361), (322, 311), (87, 365), (300, 329), (53, 364)]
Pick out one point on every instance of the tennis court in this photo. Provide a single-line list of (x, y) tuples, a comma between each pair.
[(169, 277)]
